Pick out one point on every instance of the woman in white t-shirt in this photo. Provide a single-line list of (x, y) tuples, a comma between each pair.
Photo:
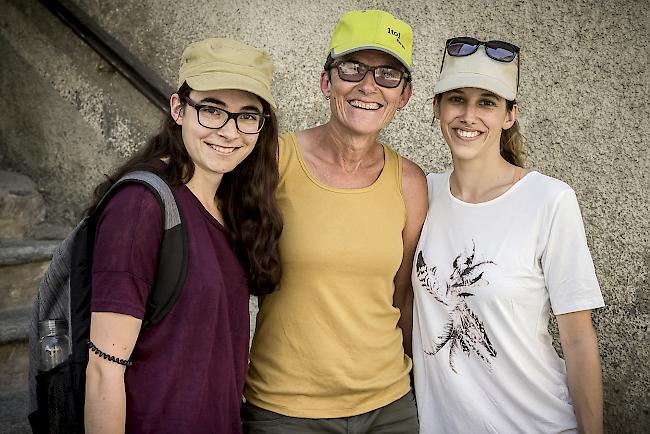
[(500, 248)]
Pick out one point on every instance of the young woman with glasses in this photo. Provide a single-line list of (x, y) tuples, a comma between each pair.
[(501, 247), (328, 350), (217, 149)]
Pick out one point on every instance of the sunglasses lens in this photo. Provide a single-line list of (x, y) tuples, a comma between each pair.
[(501, 51), (460, 47)]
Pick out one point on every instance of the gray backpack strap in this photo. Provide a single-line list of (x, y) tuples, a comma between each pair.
[(172, 258), (161, 189)]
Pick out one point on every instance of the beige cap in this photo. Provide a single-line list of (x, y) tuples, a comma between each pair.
[(220, 63), (478, 70)]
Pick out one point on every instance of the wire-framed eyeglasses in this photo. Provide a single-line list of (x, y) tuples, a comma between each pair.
[(385, 76)]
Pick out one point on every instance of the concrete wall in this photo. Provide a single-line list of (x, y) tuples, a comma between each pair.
[(583, 99), (70, 116)]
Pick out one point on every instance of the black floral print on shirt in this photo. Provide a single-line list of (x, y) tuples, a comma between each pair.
[(464, 331)]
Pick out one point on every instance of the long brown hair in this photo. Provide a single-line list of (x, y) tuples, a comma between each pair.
[(247, 193), (512, 144), (512, 141)]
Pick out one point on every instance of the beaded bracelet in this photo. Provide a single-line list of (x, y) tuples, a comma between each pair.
[(108, 357)]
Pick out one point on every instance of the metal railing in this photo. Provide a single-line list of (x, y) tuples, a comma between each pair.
[(137, 73)]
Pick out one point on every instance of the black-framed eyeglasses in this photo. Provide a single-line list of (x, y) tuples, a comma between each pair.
[(500, 51), (385, 76), (214, 118)]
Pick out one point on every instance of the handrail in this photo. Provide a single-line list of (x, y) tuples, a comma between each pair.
[(137, 73)]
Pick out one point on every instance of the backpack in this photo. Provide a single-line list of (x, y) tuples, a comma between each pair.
[(57, 396)]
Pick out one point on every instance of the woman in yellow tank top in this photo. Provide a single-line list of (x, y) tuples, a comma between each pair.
[(330, 348)]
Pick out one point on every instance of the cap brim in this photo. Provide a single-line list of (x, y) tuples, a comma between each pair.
[(223, 80), (343, 52), (472, 79)]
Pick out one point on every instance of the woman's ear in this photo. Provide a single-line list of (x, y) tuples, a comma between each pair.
[(511, 117), (435, 105), (325, 84), (176, 109), (407, 91)]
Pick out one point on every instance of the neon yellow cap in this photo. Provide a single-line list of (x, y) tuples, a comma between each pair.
[(372, 30)]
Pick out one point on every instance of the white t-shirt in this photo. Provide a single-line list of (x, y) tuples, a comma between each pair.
[(485, 277)]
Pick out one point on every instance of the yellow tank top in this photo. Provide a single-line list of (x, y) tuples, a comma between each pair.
[(327, 342)]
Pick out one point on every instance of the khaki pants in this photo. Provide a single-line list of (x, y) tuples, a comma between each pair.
[(399, 417)]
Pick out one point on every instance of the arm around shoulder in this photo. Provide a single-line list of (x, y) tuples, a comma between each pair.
[(415, 194)]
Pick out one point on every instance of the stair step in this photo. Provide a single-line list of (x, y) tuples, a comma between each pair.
[(14, 323), (14, 363), (21, 205), (13, 412), (14, 252), (14, 353), (22, 265), (14, 356)]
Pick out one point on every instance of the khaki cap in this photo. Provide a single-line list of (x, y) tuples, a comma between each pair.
[(220, 63)]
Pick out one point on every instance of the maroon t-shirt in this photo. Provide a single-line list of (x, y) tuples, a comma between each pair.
[(188, 370)]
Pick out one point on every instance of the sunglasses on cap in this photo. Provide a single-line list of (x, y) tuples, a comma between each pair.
[(385, 76), (500, 51)]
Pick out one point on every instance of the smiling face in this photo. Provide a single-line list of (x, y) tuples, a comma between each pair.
[(216, 152), (471, 121), (364, 107)]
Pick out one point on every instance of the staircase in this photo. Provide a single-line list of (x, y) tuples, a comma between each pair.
[(26, 246), (102, 103)]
